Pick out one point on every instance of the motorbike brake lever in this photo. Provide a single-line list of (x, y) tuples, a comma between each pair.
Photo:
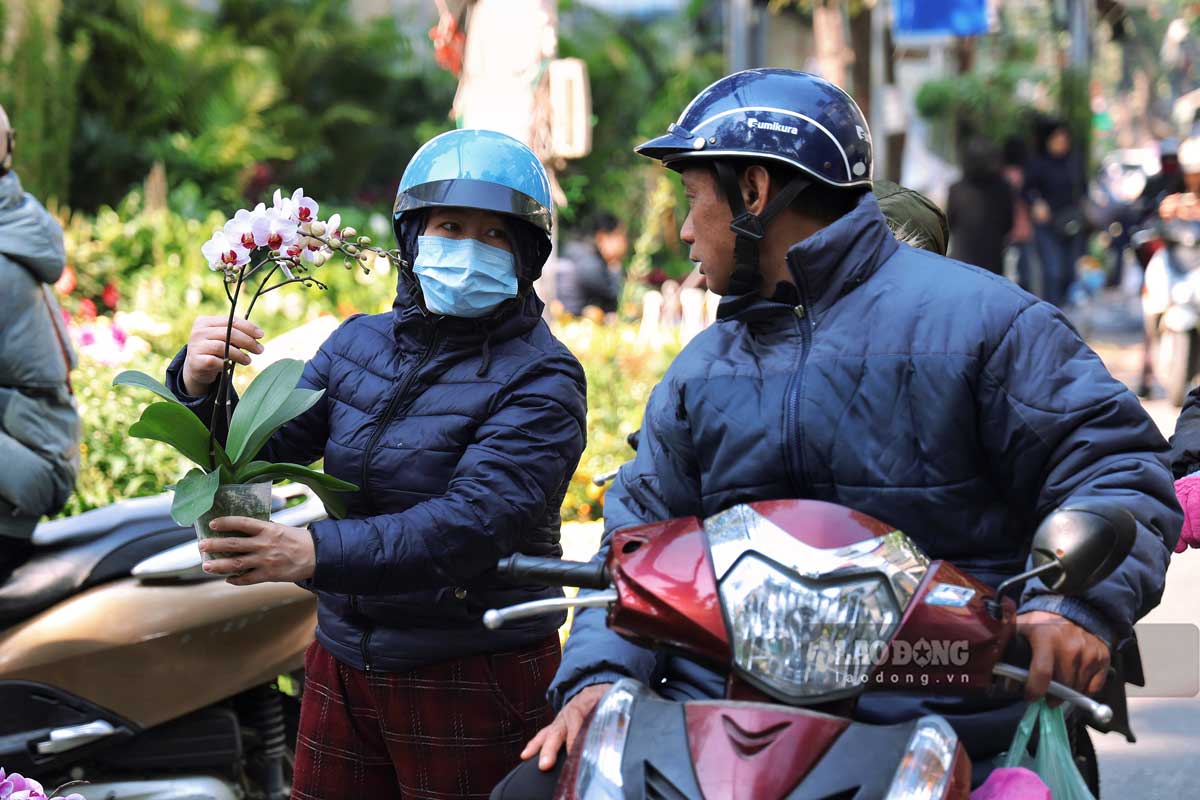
[(1100, 712), (496, 617)]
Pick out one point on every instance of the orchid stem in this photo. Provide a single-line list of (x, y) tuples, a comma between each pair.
[(226, 384)]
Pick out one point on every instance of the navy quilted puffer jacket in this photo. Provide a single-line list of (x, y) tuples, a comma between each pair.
[(919, 390), (462, 436)]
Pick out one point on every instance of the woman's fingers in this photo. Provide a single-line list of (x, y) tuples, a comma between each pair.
[(212, 347), (237, 338)]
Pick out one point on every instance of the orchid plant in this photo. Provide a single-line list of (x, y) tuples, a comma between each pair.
[(15, 786), (256, 252)]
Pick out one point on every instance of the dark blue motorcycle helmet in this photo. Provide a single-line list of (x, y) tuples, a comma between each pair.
[(799, 122), (478, 169)]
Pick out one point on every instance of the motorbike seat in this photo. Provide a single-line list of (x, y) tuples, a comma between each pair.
[(88, 550)]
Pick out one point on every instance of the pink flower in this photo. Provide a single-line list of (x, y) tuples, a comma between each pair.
[(110, 296), (87, 310), (18, 787), (223, 253)]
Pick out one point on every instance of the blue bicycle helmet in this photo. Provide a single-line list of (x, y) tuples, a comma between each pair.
[(768, 115), (478, 169)]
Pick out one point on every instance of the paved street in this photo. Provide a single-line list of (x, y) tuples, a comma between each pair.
[(1164, 764)]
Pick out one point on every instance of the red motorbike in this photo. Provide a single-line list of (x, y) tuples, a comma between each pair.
[(805, 605)]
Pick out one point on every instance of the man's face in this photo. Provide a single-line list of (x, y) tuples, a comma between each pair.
[(706, 229), (613, 245), (1059, 143)]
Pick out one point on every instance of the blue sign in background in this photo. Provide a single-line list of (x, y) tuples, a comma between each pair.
[(941, 17)]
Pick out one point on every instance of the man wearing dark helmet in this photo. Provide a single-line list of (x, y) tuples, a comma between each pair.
[(848, 367)]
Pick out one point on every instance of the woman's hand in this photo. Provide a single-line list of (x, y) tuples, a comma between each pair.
[(206, 350), (267, 552)]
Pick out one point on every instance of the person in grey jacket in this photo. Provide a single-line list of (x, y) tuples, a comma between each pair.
[(39, 423), (847, 367)]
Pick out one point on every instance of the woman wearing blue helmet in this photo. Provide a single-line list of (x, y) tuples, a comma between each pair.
[(462, 418)]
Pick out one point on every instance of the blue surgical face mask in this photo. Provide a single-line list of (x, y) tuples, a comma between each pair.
[(464, 277)]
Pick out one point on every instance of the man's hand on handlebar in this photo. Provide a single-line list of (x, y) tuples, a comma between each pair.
[(1064, 652), (565, 727)]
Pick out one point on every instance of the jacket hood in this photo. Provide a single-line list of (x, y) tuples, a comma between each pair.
[(28, 234), (826, 265)]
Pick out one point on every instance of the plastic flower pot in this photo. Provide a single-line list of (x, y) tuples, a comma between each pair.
[(234, 500)]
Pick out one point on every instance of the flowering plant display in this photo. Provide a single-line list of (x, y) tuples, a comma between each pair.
[(256, 252), (17, 787)]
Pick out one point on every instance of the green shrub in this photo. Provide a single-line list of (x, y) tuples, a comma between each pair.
[(621, 371), (113, 465)]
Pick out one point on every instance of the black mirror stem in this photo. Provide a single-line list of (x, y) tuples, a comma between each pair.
[(996, 604)]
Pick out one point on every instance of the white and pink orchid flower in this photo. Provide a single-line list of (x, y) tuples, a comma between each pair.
[(223, 252), (299, 208), (333, 228), (240, 228), (281, 205), (274, 230)]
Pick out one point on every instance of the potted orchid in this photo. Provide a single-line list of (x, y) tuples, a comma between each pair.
[(256, 252)]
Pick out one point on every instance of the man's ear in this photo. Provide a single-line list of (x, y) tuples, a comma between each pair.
[(755, 183)]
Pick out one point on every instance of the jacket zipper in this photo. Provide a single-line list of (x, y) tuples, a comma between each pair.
[(392, 407), (794, 455)]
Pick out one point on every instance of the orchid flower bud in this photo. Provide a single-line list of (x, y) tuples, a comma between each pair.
[(348, 232), (317, 228)]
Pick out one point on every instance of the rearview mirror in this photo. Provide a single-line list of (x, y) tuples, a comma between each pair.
[(1087, 539)]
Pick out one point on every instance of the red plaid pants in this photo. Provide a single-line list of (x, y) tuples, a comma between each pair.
[(449, 730)]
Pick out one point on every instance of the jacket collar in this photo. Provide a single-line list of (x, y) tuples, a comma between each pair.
[(826, 265), (411, 321)]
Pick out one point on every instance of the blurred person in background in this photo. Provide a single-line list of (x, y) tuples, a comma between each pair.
[(589, 269), (1055, 196), (1168, 181), (1020, 238), (39, 423), (1185, 202), (980, 209)]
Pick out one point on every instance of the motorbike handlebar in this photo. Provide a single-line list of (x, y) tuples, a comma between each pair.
[(1019, 652), (554, 572)]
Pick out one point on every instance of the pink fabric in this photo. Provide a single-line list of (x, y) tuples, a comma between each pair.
[(1188, 491), (1012, 783)]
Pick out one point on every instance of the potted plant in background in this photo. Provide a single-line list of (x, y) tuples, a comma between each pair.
[(262, 249)]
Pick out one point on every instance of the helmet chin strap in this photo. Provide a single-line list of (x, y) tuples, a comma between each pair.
[(751, 228)]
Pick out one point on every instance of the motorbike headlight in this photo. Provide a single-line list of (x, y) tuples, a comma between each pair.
[(926, 769), (599, 776), (803, 638)]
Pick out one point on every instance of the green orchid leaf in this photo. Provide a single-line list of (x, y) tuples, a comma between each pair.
[(326, 487), (299, 401), (266, 394), (131, 377), (194, 495), (179, 427)]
